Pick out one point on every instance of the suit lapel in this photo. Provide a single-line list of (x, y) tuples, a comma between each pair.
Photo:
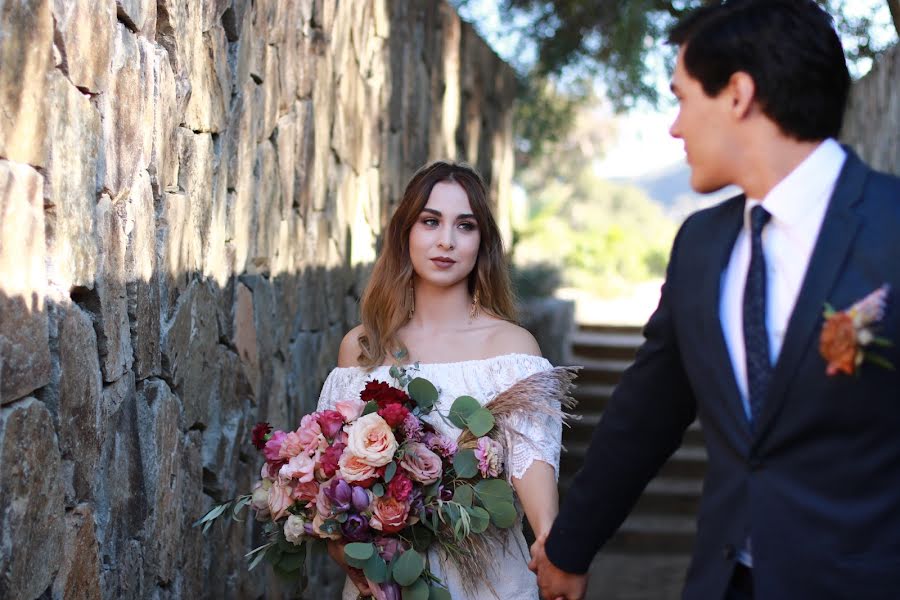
[(720, 248), (826, 264)]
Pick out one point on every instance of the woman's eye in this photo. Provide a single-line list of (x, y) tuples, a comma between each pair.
[(430, 222), (467, 226)]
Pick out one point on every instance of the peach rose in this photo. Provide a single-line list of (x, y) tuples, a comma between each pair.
[(422, 464), (291, 446), (306, 492), (838, 344), (279, 500), (372, 440), (389, 514), (353, 469), (302, 468)]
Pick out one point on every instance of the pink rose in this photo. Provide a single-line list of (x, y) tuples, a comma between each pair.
[(306, 492), (291, 446), (330, 422), (279, 500), (350, 409), (389, 514), (422, 464), (372, 440), (272, 450), (302, 468), (310, 433)]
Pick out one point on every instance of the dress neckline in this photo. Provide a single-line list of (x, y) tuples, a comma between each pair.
[(473, 361)]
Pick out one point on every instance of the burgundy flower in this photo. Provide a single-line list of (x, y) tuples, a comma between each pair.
[(400, 487), (331, 422), (261, 435), (394, 414), (328, 461), (383, 394), (272, 449)]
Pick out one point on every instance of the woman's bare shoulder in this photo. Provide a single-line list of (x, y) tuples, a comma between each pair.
[(509, 338), (348, 354)]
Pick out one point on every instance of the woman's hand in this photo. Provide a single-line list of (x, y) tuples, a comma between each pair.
[(336, 551)]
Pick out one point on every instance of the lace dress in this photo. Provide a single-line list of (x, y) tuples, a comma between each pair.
[(481, 379)]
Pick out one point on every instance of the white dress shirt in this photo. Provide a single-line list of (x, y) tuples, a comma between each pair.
[(797, 205)]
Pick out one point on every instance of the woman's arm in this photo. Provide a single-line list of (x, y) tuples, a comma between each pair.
[(537, 492)]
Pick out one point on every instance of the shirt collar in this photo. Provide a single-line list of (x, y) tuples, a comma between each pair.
[(802, 192)]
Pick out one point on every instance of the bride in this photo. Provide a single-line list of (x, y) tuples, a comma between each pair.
[(440, 297)]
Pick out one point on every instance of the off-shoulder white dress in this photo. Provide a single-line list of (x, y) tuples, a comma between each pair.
[(481, 379)]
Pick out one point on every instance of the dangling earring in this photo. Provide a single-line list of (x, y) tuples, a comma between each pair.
[(411, 299), (475, 306)]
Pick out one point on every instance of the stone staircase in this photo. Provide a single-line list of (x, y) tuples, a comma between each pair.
[(648, 557)]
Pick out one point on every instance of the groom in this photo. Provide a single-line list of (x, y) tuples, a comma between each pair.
[(802, 496)]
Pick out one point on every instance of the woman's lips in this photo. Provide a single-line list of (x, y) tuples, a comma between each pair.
[(443, 263)]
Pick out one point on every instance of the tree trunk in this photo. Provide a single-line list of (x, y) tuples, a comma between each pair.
[(894, 5)]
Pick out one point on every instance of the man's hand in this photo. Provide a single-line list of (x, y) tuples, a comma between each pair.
[(554, 583)]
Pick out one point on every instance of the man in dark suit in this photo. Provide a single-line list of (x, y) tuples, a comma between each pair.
[(802, 495)]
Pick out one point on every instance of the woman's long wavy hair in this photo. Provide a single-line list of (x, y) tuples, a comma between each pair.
[(386, 302)]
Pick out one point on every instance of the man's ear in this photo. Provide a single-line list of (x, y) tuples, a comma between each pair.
[(741, 91)]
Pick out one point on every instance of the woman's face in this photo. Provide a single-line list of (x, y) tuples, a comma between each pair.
[(443, 242)]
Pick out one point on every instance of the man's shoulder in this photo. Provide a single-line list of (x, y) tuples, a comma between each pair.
[(713, 216)]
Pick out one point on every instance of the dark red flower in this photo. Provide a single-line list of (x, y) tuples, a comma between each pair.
[(261, 435), (394, 414), (400, 487), (383, 394), (329, 459)]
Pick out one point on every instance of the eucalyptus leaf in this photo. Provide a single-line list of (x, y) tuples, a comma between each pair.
[(423, 393), (421, 538), (371, 406), (390, 471), (503, 515), (376, 569), (407, 567), (465, 464), (378, 490), (464, 495), (479, 519), (417, 591), (359, 550), (394, 372), (480, 422), (492, 491), (461, 409), (438, 593)]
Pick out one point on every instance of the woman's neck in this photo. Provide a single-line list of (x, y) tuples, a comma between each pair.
[(441, 308)]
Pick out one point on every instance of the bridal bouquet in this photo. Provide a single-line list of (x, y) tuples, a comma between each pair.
[(373, 474)]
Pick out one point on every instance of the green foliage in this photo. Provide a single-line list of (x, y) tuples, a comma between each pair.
[(408, 567), (423, 393), (465, 464), (461, 409), (536, 280)]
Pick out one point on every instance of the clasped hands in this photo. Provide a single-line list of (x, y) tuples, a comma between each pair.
[(553, 582)]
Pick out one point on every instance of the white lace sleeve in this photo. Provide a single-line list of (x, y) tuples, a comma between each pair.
[(541, 435), (341, 384)]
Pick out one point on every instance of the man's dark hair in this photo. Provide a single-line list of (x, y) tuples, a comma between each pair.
[(788, 47)]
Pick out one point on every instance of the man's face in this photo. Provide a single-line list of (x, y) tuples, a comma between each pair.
[(706, 126)]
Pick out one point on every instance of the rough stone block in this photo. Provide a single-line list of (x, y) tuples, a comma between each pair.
[(71, 190), (79, 570), (189, 351), (142, 278), (80, 393), (26, 59), (163, 167), (31, 521), (84, 38), (111, 305), (139, 15), (210, 82), (24, 337)]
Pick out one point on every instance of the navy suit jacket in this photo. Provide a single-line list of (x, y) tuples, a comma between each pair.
[(816, 482)]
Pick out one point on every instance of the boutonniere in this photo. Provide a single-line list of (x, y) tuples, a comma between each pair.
[(847, 334)]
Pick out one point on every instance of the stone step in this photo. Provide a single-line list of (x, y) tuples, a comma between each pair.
[(654, 534), (581, 429), (686, 462), (607, 372), (615, 329), (637, 577), (605, 346), (663, 496), (592, 397)]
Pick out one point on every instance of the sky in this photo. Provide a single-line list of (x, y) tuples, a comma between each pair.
[(643, 145)]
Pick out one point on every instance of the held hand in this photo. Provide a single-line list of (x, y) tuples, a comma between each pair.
[(336, 551), (554, 583)]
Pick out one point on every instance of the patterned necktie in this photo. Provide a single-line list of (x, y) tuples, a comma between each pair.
[(756, 339)]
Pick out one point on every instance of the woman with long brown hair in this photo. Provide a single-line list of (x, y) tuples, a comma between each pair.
[(440, 299)]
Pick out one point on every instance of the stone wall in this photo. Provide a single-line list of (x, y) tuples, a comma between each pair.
[(872, 123), (191, 194)]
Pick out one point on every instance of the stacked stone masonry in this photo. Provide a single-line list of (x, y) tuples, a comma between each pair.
[(191, 196)]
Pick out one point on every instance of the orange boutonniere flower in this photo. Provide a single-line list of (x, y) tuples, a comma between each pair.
[(846, 334)]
